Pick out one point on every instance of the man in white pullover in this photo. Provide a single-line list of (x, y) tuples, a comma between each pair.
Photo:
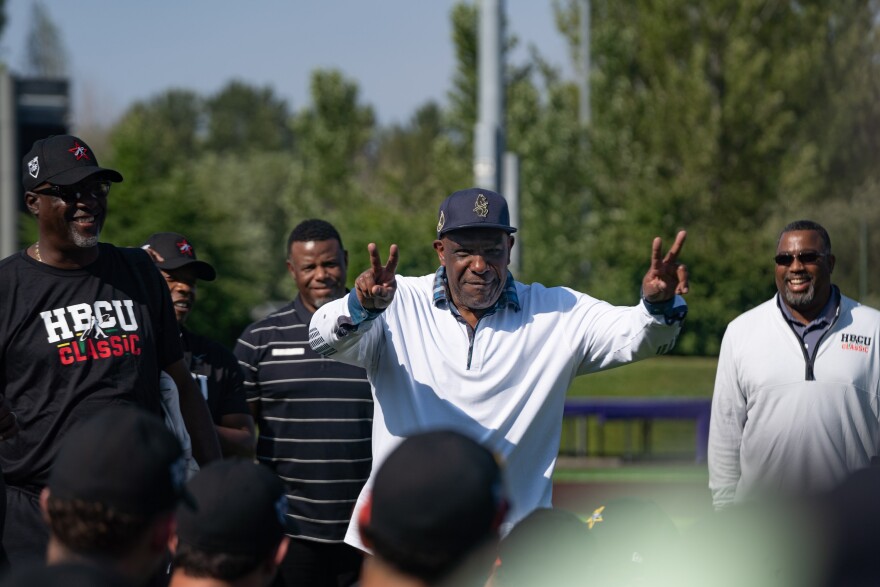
[(795, 406), (470, 349)]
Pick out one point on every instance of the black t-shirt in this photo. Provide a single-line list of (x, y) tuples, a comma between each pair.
[(75, 341), (217, 374)]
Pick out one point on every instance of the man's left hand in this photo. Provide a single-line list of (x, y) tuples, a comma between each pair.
[(666, 277)]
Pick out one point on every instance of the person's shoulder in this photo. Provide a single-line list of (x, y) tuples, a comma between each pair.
[(759, 314), (200, 340), (417, 282), (537, 295), (418, 287), (134, 256), (16, 258), (283, 316), (857, 309)]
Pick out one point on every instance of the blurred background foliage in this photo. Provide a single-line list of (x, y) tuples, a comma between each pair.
[(728, 118)]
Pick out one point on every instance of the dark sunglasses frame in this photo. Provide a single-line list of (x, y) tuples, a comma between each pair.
[(804, 257), (74, 193)]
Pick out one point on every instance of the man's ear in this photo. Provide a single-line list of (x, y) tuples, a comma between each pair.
[(163, 528), (440, 248), (31, 202), (281, 551), (44, 504)]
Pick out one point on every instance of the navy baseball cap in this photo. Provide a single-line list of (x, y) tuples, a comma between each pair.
[(241, 508), (123, 457), (177, 252), (62, 160), (473, 208)]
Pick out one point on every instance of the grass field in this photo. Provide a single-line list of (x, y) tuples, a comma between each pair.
[(659, 377)]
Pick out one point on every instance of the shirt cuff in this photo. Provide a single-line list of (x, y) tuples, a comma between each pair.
[(357, 312), (673, 310)]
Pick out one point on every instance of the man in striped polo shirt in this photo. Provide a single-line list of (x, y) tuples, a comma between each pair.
[(314, 414)]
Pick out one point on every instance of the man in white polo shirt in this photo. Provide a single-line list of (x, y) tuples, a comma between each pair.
[(470, 348)]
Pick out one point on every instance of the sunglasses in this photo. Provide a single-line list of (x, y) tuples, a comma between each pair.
[(76, 192), (805, 258)]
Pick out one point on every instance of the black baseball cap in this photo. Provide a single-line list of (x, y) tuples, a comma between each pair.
[(123, 457), (178, 252), (62, 160), (473, 208), (64, 574), (241, 508), (437, 497)]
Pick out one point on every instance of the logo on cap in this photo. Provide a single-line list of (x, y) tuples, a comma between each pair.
[(185, 248), (34, 167), (596, 517), (441, 222), (481, 206), (79, 151)]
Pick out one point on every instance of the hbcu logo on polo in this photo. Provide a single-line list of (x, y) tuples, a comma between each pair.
[(855, 342), (93, 332)]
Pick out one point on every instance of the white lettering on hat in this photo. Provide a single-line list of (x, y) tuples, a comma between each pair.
[(441, 222), (34, 167), (481, 206)]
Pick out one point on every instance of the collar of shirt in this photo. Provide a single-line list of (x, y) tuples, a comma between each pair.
[(823, 319), (507, 299)]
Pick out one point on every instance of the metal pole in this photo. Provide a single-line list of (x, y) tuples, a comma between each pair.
[(511, 194), (585, 63), (863, 259), (8, 167), (489, 132)]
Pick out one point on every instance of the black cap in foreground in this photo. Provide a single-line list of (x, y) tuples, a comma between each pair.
[(473, 208), (436, 498), (125, 458), (177, 252), (61, 160), (66, 574), (241, 509)]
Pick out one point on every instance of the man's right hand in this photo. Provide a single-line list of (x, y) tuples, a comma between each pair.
[(375, 287)]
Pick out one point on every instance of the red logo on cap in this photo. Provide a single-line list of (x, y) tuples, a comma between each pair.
[(79, 151), (185, 248)]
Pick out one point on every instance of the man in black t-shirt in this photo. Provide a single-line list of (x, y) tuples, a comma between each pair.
[(84, 325), (212, 365)]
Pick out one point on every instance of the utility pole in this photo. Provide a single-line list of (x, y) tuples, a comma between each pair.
[(8, 169), (494, 169), (585, 64), (489, 135)]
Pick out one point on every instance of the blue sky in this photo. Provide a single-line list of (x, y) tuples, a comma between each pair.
[(399, 51)]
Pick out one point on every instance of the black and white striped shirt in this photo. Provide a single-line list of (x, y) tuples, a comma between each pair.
[(315, 421)]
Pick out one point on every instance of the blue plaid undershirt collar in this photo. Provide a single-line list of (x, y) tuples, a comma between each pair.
[(507, 299)]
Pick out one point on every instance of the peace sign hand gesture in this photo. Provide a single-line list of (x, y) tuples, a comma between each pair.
[(375, 287), (666, 277)]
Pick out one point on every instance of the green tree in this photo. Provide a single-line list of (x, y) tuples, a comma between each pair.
[(241, 117), (706, 116)]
